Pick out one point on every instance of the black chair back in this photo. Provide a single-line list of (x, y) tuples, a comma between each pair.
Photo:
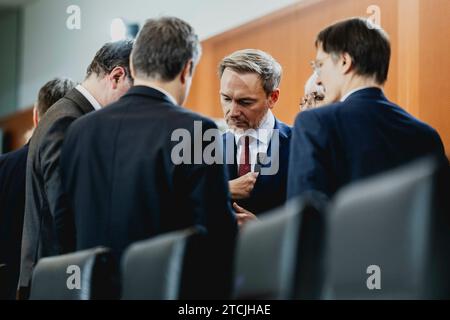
[(389, 236), (85, 275)]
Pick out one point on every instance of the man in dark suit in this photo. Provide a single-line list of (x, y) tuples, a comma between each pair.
[(363, 133), (123, 177), (257, 144), (48, 229), (12, 185)]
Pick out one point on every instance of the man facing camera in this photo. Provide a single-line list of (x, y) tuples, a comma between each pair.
[(314, 94), (257, 144), (363, 133), (118, 165), (48, 229)]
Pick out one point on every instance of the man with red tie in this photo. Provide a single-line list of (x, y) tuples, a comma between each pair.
[(256, 146)]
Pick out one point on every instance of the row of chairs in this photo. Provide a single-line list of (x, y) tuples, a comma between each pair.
[(387, 237)]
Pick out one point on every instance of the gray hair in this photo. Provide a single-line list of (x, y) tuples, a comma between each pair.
[(163, 47), (311, 85), (314, 94), (254, 61)]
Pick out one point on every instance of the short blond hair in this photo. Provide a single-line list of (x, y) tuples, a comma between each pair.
[(254, 61)]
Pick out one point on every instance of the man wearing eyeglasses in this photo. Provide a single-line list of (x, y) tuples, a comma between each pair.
[(314, 94), (363, 133)]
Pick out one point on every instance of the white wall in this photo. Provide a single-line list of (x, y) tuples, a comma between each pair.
[(50, 49), (9, 30)]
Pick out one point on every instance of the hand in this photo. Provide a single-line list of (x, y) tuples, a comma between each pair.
[(241, 187), (242, 215)]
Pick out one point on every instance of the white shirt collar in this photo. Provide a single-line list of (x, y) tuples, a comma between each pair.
[(171, 98), (348, 94), (264, 132), (89, 97)]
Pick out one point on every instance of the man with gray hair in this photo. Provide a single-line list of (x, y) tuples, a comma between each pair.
[(314, 94), (47, 226), (256, 140)]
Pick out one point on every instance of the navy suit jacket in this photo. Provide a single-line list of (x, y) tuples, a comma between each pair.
[(347, 141), (123, 184), (270, 190), (12, 206)]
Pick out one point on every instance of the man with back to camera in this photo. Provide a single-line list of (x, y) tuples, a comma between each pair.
[(12, 184), (249, 90), (363, 133), (117, 163), (48, 226)]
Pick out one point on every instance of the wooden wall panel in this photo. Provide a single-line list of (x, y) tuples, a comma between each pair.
[(434, 63), (15, 128), (408, 50)]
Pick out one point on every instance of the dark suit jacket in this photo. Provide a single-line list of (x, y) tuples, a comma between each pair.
[(123, 186), (47, 229), (346, 141), (12, 204), (270, 190)]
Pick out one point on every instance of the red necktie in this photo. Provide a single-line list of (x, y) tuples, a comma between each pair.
[(244, 163)]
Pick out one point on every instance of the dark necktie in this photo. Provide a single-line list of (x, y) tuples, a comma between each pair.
[(244, 163)]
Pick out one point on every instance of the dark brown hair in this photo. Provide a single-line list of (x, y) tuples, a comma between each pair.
[(51, 92), (163, 47), (366, 43), (111, 55)]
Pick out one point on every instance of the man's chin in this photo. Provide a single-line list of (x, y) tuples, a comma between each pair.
[(238, 126)]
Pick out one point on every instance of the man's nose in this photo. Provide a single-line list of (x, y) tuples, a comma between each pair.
[(234, 111)]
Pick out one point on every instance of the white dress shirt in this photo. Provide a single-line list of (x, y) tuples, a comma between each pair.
[(259, 139), (89, 97)]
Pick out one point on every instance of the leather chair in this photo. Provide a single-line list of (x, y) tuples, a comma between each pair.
[(84, 275), (388, 236), (4, 283), (280, 256), (183, 264)]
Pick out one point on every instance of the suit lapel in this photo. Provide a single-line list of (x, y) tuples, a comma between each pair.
[(270, 180), (83, 104)]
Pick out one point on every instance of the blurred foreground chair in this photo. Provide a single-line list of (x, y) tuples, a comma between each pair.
[(389, 236), (84, 275), (280, 256), (4, 283), (183, 264)]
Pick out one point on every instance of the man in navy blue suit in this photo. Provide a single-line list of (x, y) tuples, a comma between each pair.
[(363, 133), (257, 144), (126, 181), (122, 179)]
